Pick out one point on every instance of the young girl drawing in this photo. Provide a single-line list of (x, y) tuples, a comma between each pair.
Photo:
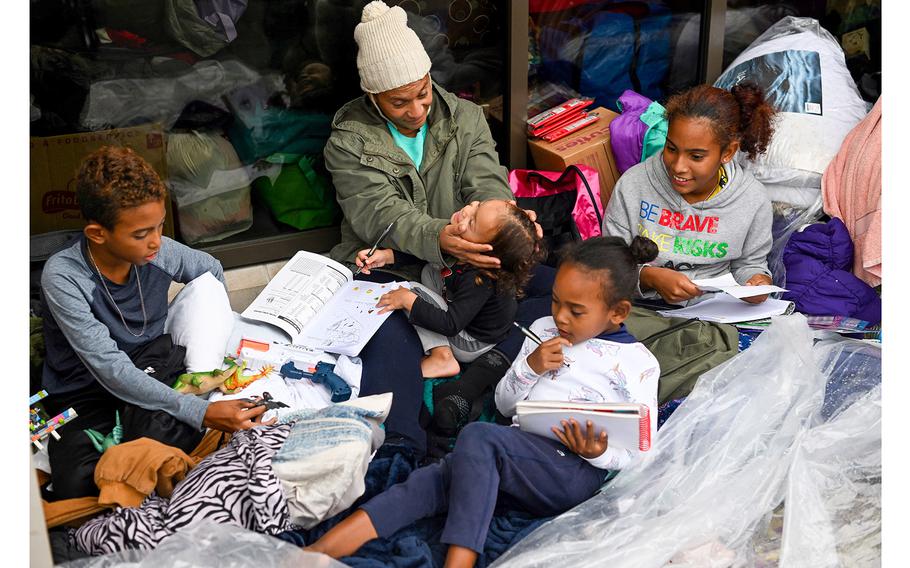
[(707, 215), (460, 313), (591, 299)]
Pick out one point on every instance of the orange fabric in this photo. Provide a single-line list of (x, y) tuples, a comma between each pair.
[(852, 192), (126, 479), (127, 473), (70, 511)]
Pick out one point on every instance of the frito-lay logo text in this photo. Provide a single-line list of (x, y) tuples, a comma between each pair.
[(57, 201)]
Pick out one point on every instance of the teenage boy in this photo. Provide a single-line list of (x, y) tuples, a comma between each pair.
[(105, 302)]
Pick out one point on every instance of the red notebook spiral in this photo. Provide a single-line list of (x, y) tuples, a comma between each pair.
[(644, 428)]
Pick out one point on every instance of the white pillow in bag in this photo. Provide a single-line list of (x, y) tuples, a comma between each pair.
[(200, 319)]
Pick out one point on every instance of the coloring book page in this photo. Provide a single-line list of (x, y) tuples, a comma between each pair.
[(349, 319), (300, 291)]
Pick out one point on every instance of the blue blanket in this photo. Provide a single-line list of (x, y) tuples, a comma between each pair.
[(418, 545)]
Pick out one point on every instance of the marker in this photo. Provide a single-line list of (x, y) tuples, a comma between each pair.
[(375, 246)]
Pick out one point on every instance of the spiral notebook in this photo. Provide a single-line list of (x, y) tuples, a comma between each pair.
[(628, 424)]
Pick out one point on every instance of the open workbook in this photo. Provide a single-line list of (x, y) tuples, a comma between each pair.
[(628, 424), (317, 302)]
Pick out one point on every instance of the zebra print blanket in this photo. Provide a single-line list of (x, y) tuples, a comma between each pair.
[(234, 485)]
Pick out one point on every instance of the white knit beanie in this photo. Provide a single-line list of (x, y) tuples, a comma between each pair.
[(389, 53)]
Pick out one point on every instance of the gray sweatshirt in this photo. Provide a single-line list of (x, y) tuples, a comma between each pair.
[(86, 340), (730, 232)]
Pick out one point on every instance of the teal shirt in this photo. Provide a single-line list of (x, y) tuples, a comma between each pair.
[(413, 147)]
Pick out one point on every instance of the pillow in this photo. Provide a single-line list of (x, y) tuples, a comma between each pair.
[(323, 462), (802, 69), (200, 319)]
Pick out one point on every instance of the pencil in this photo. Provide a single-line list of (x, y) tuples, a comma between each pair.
[(528, 333), (375, 246), (533, 337)]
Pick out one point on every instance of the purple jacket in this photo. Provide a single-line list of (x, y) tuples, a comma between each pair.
[(818, 261), (639, 132)]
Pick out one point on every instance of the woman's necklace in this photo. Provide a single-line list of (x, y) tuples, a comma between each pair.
[(111, 298)]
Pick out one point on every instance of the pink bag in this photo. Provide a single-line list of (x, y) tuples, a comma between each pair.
[(531, 187)]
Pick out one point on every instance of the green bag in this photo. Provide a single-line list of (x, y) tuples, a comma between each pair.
[(685, 348), (298, 196)]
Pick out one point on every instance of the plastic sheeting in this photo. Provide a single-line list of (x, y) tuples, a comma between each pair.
[(751, 434), (210, 545), (787, 219), (834, 495), (801, 68), (118, 103)]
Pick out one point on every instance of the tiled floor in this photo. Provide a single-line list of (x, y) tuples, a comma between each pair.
[(243, 284)]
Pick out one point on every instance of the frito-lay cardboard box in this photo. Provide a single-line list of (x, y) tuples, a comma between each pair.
[(55, 160), (589, 146)]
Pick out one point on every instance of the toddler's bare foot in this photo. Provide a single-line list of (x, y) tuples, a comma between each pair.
[(439, 363)]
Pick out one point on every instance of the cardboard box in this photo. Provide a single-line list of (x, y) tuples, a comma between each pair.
[(589, 146), (55, 160)]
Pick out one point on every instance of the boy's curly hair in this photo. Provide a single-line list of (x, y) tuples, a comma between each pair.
[(518, 249), (113, 178)]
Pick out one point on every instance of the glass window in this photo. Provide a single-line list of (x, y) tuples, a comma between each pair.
[(243, 93), (601, 48)]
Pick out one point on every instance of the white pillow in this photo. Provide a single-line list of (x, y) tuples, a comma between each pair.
[(801, 67), (200, 319), (323, 462)]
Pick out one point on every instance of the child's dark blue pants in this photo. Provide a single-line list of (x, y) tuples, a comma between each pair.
[(489, 461)]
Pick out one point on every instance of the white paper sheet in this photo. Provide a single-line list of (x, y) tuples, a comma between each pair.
[(728, 285), (727, 309)]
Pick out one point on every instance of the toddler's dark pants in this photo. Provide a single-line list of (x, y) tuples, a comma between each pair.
[(489, 462)]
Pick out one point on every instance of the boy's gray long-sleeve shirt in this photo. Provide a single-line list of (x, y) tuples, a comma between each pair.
[(730, 232), (86, 340)]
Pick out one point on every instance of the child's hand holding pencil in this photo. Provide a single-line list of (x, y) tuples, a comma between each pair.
[(548, 355)]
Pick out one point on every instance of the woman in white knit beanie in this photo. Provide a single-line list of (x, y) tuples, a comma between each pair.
[(394, 67), (409, 154)]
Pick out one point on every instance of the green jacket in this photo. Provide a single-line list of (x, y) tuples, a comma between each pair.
[(376, 182)]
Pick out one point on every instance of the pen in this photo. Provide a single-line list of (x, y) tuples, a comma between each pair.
[(375, 246)]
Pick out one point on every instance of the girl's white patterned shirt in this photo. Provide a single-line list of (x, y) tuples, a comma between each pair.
[(611, 367)]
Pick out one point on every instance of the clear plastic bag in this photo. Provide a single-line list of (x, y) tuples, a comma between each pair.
[(118, 103), (211, 545), (210, 185), (787, 219), (709, 492)]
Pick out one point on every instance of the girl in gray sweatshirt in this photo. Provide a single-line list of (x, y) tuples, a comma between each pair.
[(707, 215)]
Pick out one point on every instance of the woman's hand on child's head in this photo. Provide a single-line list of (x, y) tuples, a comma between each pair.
[(450, 241), (672, 286), (533, 216), (588, 444), (395, 300), (380, 258), (757, 280), (548, 355), (233, 415)]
